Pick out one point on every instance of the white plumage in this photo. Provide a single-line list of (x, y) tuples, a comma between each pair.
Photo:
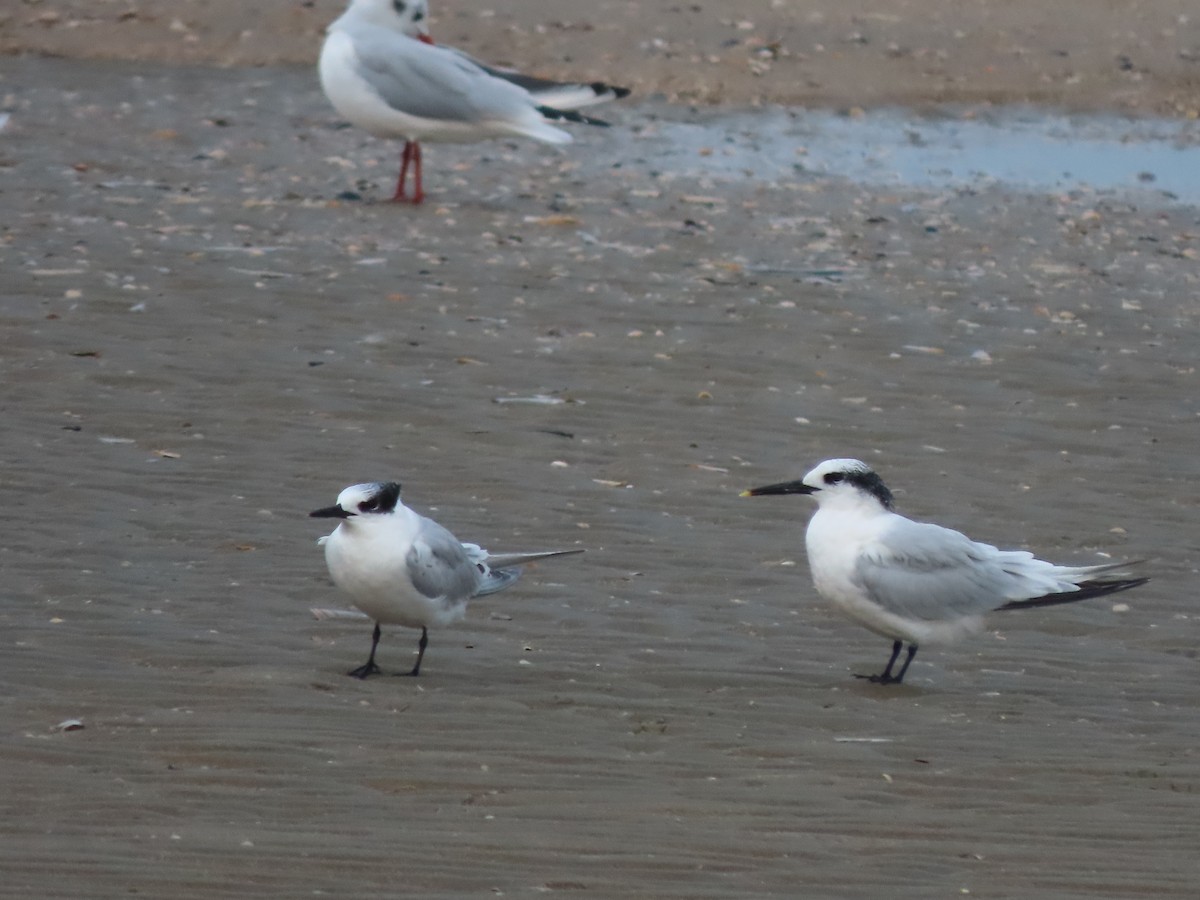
[(380, 70), (402, 568), (919, 583)]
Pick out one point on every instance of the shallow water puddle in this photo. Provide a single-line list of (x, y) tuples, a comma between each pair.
[(1024, 149)]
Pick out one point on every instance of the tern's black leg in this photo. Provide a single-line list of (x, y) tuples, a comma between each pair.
[(369, 667), (887, 670), (912, 651), (421, 645), (886, 677)]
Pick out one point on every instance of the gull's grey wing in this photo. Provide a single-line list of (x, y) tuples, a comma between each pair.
[(531, 83), (439, 566), (433, 82), (930, 573), (560, 95)]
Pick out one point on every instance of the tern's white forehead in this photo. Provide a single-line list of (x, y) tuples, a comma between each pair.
[(350, 497), (836, 479), (370, 497), (816, 477)]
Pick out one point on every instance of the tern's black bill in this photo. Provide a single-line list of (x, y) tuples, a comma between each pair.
[(330, 512), (784, 487)]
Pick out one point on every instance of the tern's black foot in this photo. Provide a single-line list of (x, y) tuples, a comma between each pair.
[(886, 676), (880, 679), (364, 671)]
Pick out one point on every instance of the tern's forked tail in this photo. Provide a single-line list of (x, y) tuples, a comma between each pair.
[(504, 560), (505, 568)]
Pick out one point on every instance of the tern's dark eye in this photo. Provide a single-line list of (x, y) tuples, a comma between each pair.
[(835, 478), (369, 505), (399, 6), (418, 16)]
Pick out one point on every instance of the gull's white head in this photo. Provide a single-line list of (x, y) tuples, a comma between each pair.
[(410, 17), (834, 480), (375, 498)]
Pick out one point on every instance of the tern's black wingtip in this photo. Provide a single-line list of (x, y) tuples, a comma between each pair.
[(1087, 591)]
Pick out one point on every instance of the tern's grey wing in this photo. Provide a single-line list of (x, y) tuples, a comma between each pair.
[(433, 82), (496, 580), (926, 572), (439, 566), (499, 570)]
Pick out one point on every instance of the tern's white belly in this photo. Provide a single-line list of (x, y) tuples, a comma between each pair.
[(374, 574)]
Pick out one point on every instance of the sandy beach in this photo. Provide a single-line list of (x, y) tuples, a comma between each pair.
[(1079, 54), (204, 340)]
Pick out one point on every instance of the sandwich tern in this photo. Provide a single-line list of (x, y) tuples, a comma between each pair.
[(915, 582), (381, 70), (401, 568)]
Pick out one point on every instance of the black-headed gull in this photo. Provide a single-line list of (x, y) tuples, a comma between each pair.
[(917, 582), (380, 70), (401, 568)]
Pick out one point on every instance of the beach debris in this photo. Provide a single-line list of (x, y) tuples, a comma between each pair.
[(863, 740), (322, 614), (536, 399)]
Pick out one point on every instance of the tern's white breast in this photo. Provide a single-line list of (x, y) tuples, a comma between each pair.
[(368, 560), (834, 540)]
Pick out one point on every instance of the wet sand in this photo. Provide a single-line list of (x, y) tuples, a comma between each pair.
[(1078, 54), (202, 343)]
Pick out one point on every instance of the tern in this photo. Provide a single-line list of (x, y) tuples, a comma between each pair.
[(401, 568), (916, 582)]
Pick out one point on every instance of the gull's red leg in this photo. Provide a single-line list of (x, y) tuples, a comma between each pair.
[(415, 155), (418, 192), (405, 158)]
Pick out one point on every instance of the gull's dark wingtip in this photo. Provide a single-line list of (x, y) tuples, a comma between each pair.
[(600, 89), (569, 115)]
